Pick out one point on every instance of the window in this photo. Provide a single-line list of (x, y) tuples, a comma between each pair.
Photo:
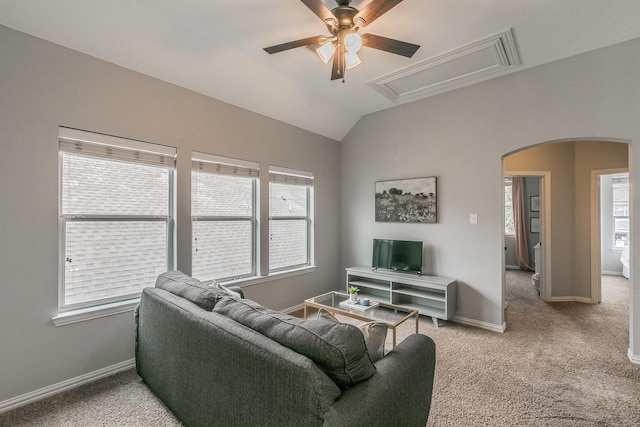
[(290, 219), (116, 217), (223, 214), (509, 225), (620, 183)]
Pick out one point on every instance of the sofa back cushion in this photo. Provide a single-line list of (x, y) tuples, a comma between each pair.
[(189, 288), (336, 348)]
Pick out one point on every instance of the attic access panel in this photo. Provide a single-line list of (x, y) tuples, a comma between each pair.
[(484, 59)]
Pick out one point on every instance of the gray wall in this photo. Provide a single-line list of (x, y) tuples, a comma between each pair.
[(43, 86), (461, 137)]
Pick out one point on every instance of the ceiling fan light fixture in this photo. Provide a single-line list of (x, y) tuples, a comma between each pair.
[(353, 42), (352, 60), (325, 52), (343, 23)]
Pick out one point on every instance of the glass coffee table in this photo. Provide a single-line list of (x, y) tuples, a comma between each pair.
[(392, 315)]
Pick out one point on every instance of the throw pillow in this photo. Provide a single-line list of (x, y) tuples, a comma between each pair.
[(324, 314), (337, 348), (233, 291), (375, 334), (189, 288)]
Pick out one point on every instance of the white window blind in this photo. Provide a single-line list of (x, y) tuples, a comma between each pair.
[(290, 177), (203, 162), (114, 148)]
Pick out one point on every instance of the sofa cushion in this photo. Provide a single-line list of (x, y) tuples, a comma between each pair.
[(337, 348), (189, 288)]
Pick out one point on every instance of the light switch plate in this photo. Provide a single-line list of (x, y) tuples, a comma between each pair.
[(473, 218)]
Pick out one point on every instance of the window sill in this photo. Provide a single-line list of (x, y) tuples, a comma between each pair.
[(251, 281), (89, 313)]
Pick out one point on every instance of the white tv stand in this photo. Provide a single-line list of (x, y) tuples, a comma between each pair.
[(432, 296)]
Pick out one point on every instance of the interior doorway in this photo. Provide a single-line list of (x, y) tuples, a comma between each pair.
[(535, 227), (566, 217), (610, 227)]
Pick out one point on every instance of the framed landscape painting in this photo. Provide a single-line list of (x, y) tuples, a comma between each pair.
[(407, 200)]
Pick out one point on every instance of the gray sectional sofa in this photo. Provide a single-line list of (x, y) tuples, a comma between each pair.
[(219, 360)]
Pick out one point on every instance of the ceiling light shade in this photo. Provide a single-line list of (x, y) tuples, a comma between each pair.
[(352, 60), (353, 42), (325, 52)]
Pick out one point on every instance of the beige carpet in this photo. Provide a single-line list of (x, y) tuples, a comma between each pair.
[(121, 400), (561, 364)]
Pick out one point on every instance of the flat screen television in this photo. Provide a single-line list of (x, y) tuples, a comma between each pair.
[(397, 255)]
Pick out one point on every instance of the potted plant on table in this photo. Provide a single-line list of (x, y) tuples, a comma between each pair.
[(353, 293)]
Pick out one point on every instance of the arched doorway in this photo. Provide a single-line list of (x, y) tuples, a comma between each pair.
[(568, 209)]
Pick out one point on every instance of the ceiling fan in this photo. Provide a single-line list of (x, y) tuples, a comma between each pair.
[(343, 23)]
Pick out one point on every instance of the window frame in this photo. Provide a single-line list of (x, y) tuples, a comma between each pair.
[(508, 182), (614, 203), (280, 175), (116, 149), (205, 163)]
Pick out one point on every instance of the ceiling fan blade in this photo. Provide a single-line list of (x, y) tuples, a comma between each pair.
[(296, 43), (320, 9), (389, 45), (339, 64), (374, 10)]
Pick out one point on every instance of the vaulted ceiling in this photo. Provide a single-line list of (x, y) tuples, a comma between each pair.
[(215, 47)]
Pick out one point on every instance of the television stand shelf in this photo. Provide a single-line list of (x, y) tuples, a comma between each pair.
[(432, 296)]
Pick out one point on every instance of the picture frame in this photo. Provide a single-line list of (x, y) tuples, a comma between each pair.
[(407, 200), (534, 225), (534, 204)]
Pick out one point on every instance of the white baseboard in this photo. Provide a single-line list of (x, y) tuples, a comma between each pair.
[(480, 324), (51, 390), (571, 299), (611, 273), (634, 358)]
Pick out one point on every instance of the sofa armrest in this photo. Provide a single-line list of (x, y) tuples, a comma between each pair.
[(398, 394)]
